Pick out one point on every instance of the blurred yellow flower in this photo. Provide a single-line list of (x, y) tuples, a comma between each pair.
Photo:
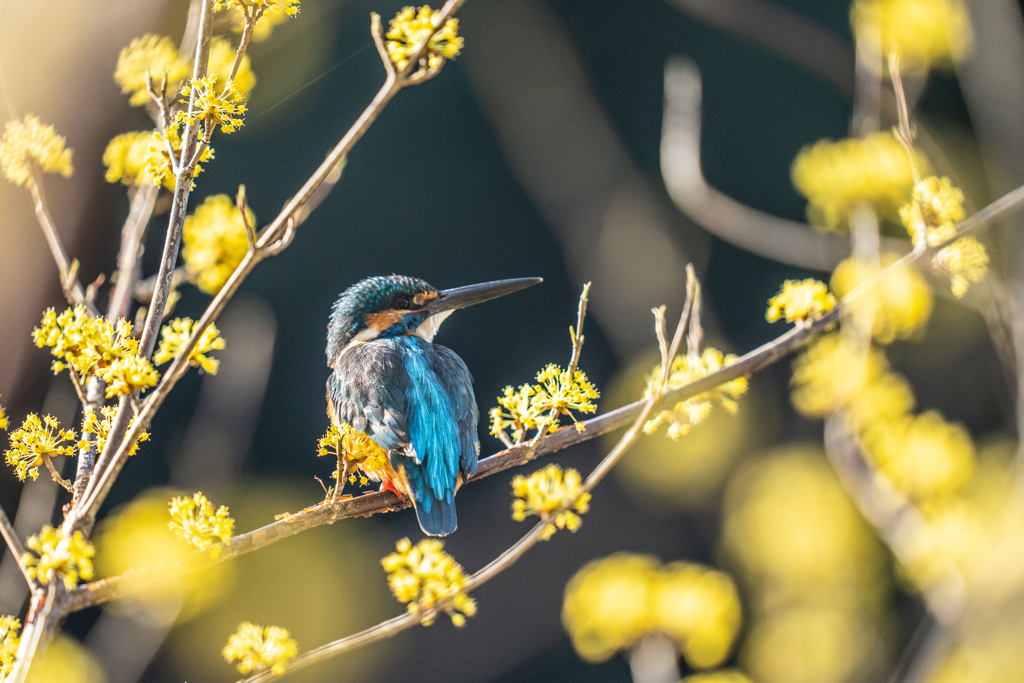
[(808, 644), (64, 661), (212, 106), (176, 334), (125, 158), (837, 176), (686, 369), (162, 575), (355, 449), (545, 493), (964, 261), (27, 142), (426, 577), (9, 641), (933, 212), (100, 429), (3, 422), (720, 676), (612, 603), (158, 160), (256, 648), (923, 456), (35, 441), (953, 539), (698, 608), (800, 301), (411, 26), (832, 375), (901, 300), (222, 58), (923, 32), (289, 7), (53, 555), (194, 521), (151, 55), (214, 242), (273, 16)]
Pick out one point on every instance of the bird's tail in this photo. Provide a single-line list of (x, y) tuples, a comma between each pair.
[(435, 514)]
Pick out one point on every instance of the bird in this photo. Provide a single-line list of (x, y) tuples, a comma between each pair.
[(412, 397)]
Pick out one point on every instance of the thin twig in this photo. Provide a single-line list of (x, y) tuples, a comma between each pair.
[(17, 548), (250, 231), (56, 475), (40, 620)]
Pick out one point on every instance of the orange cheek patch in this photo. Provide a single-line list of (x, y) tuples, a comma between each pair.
[(424, 297), (383, 320)]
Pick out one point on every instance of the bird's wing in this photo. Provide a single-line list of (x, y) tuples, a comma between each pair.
[(367, 390), (458, 384)]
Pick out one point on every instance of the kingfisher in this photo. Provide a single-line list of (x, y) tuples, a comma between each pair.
[(412, 397)]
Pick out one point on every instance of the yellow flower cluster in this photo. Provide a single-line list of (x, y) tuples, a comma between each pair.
[(832, 376), (195, 521), (9, 642), (554, 495), (3, 418), (612, 603), (95, 346), (159, 168), (100, 429), (933, 212), (837, 176), (256, 648), (427, 577), (556, 391), (720, 676), (354, 449), (176, 334), (213, 109), (28, 142), (36, 440), (411, 26), (55, 555), (923, 32), (150, 55), (800, 301), (289, 7), (900, 302), (214, 242), (691, 412), (923, 456), (125, 158), (964, 261)]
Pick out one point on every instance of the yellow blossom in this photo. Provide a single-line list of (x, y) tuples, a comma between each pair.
[(151, 55), (125, 158), (28, 142), (289, 7), (214, 242), (353, 448), (100, 429), (520, 414), (89, 345), (9, 641), (195, 521), (553, 495), (837, 176), (35, 441), (933, 212), (272, 17), (965, 261), (213, 108), (222, 58), (3, 424), (256, 648), (158, 160), (923, 32), (901, 300), (129, 374), (719, 676), (559, 392), (55, 555), (612, 603), (426, 577), (699, 609), (174, 336), (800, 301), (687, 414), (411, 26), (923, 456)]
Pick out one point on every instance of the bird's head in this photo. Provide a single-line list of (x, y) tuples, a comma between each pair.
[(395, 305)]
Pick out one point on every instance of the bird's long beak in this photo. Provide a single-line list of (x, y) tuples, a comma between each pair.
[(461, 297)]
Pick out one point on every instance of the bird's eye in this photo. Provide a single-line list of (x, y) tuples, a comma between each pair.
[(403, 303)]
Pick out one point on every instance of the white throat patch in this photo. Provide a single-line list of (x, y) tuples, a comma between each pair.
[(429, 328)]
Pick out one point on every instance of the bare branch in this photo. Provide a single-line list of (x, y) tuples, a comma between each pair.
[(17, 548)]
